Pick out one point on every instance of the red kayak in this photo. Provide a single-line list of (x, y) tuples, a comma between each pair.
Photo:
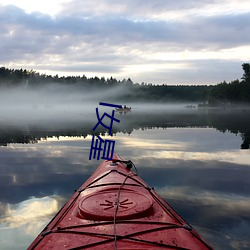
[(116, 209)]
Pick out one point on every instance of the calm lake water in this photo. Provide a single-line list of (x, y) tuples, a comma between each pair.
[(197, 160)]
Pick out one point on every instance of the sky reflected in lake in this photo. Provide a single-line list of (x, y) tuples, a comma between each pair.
[(200, 171)]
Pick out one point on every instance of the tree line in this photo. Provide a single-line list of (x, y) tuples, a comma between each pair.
[(236, 91)]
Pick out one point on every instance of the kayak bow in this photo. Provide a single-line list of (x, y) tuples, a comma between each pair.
[(116, 209)]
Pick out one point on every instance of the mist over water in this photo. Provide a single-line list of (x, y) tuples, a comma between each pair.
[(44, 103), (59, 107), (61, 102)]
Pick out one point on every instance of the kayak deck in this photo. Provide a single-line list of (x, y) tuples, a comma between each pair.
[(116, 209)]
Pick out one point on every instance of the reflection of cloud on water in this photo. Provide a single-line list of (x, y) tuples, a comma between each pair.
[(234, 156), (29, 213), (185, 144), (148, 144), (46, 157), (185, 139), (226, 216), (229, 203), (22, 222), (146, 140), (227, 240)]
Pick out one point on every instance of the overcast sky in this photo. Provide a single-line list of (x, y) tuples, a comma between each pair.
[(154, 41)]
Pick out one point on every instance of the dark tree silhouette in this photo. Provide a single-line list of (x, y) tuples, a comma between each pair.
[(220, 94)]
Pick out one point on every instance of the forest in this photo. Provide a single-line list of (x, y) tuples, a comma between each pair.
[(224, 93)]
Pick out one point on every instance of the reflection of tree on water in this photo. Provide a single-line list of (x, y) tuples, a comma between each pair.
[(237, 122), (16, 137), (246, 141)]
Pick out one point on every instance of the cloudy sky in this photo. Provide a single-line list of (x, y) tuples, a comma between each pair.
[(157, 41)]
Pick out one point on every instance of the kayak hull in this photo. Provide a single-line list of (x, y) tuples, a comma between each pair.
[(116, 209)]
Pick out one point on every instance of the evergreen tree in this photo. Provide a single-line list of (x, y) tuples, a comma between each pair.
[(246, 69)]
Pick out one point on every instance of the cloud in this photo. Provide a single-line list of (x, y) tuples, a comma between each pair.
[(115, 38), (141, 10), (57, 33)]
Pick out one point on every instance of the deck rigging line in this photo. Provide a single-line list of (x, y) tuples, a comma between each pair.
[(130, 174)]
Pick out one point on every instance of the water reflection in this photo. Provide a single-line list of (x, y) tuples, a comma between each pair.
[(23, 131), (21, 221), (195, 166), (28, 211)]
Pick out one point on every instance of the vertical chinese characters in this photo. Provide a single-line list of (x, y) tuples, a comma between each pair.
[(98, 144)]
